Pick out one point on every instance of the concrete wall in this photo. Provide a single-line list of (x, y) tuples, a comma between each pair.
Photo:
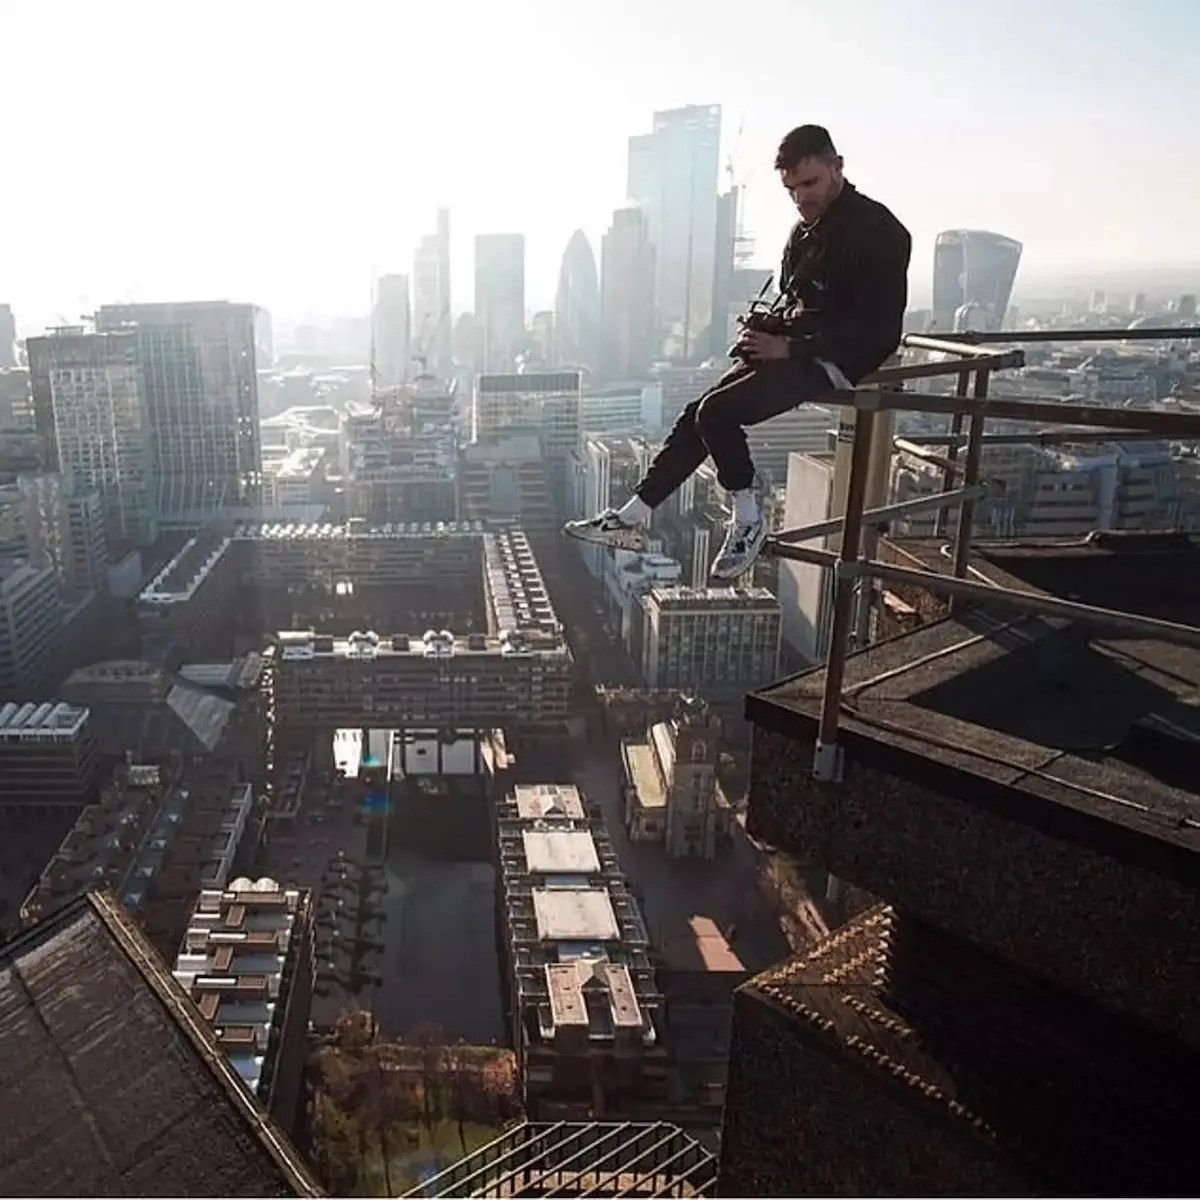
[(1124, 935)]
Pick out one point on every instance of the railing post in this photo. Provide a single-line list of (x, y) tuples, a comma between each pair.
[(966, 510), (876, 494), (827, 760), (949, 474)]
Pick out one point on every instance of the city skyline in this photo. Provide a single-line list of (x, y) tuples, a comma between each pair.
[(1038, 167)]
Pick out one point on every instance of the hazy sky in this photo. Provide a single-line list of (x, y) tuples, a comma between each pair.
[(279, 152)]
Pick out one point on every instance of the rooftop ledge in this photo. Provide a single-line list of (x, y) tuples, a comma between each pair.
[(1017, 779)]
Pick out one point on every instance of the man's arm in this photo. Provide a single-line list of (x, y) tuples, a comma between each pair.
[(875, 325)]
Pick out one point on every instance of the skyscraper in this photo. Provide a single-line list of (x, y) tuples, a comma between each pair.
[(500, 297), (577, 305), (673, 175), (391, 321), (200, 390), (88, 392), (725, 252), (976, 268), (432, 331), (8, 338), (627, 331)]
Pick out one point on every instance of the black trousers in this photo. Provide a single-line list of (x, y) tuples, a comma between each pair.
[(716, 424)]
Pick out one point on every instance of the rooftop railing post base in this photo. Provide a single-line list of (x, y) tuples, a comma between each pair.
[(827, 762)]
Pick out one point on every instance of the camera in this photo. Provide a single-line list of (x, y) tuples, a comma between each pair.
[(763, 317)]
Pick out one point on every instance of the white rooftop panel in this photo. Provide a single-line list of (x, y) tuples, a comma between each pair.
[(560, 852), (573, 916), (542, 801)]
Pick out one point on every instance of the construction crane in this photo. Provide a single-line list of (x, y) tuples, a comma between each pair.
[(732, 157), (743, 243)]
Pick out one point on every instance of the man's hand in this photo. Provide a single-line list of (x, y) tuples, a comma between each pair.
[(759, 346)]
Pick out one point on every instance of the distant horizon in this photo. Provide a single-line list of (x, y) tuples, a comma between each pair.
[(1158, 281)]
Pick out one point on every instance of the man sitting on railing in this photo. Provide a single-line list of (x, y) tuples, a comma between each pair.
[(844, 289)]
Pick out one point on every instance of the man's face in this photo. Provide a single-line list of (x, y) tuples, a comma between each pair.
[(813, 184)]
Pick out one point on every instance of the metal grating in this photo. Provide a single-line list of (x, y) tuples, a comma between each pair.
[(582, 1159)]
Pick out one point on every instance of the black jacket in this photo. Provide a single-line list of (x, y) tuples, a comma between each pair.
[(847, 280)]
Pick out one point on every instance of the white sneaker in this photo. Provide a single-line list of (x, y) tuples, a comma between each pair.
[(607, 529), (743, 544)]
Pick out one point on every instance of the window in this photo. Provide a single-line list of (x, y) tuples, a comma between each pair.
[(699, 752)]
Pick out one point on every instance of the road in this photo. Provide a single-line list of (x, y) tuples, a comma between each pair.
[(674, 891)]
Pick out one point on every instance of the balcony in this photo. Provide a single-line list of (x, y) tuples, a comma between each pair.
[(1016, 782)]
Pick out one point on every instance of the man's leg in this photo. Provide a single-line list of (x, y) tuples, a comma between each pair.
[(682, 452), (722, 420), (685, 448)]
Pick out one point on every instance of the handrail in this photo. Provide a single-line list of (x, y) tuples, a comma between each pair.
[(1038, 409), (973, 365), (1003, 337), (940, 345), (1042, 437)]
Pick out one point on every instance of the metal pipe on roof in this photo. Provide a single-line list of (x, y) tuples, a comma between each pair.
[(805, 554), (826, 761), (875, 516), (1032, 602), (940, 345), (1042, 437), (1043, 410), (905, 446), (933, 370), (966, 510), (950, 477)]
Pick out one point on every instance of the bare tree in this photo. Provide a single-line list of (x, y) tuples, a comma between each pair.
[(428, 1042), (460, 1099), (364, 1084), (482, 1087)]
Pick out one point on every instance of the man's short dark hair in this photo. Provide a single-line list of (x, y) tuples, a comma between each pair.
[(805, 141)]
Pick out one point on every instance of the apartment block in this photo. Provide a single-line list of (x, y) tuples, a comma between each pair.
[(247, 960), (31, 623), (90, 408), (586, 1014), (716, 640), (48, 756)]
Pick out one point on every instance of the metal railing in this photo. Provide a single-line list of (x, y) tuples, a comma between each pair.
[(973, 359)]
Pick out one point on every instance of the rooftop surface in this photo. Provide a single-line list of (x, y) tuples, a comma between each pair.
[(41, 722), (111, 1084), (681, 597), (302, 645), (531, 383), (643, 773), (137, 705), (575, 915), (560, 852), (549, 801), (515, 590), (1096, 731)]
